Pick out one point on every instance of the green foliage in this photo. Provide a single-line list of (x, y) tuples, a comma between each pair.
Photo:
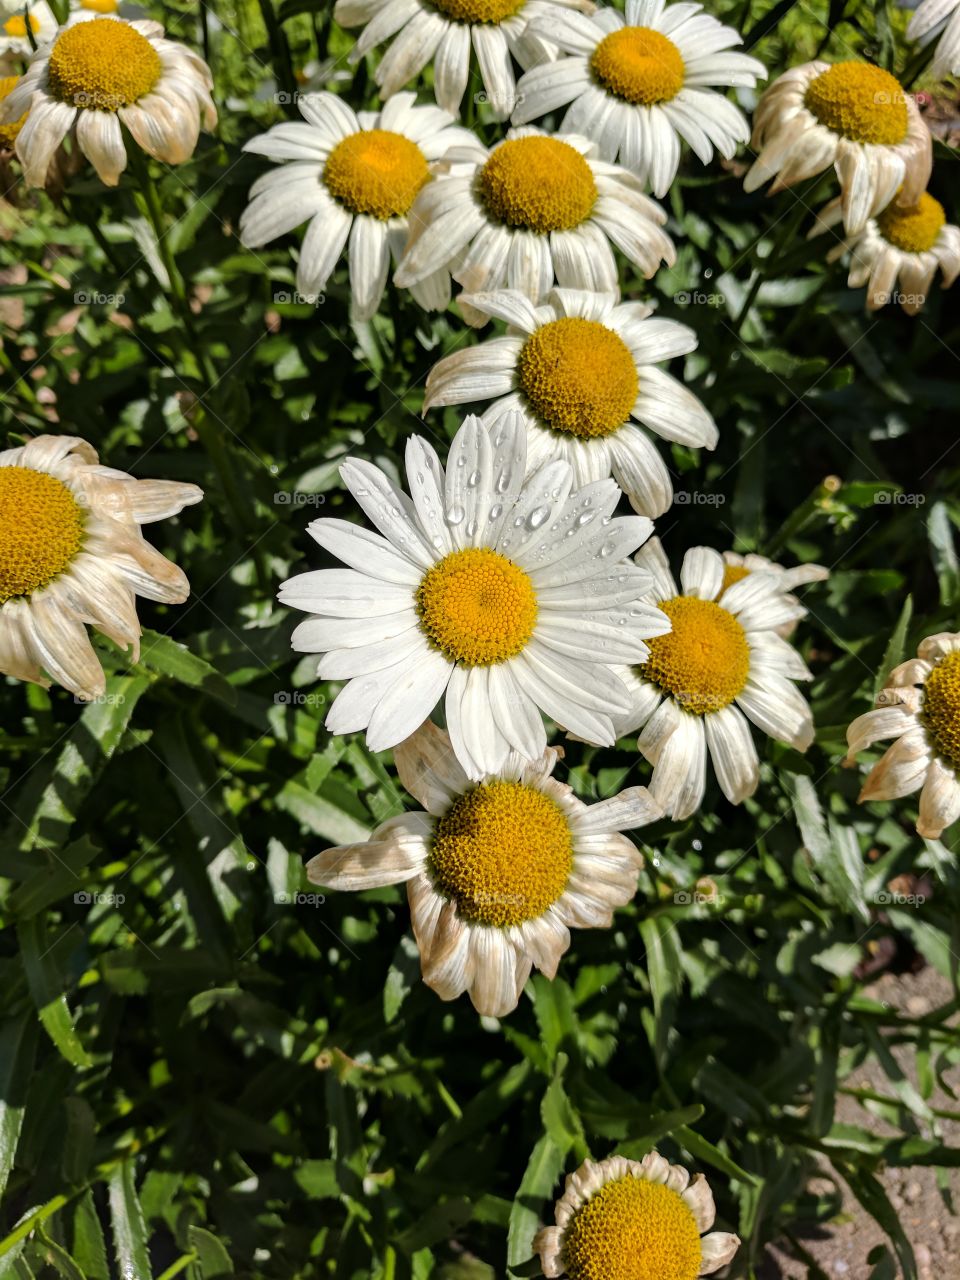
[(206, 1068)]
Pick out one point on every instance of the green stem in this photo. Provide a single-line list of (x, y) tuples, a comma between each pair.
[(918, 64), (279, 52)]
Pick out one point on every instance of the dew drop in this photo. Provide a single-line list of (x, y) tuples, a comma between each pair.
[(537, 516), (455, 515)]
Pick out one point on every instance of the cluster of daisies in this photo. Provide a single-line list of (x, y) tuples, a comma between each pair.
[(504, 583)]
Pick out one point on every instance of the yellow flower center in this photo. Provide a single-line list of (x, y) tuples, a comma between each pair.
[(17, 25), (41, 528), (477, 607), (941, 708), (104, 64), (704, 661), (503, 853), (377, 172), (579, 377), (733, 573), (100, 6), (632, 1229), (861, 102), (639, 65), (8, 132), (539, 183), (913, 230), (479, 10)]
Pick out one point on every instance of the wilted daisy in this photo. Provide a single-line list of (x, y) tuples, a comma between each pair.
[(16, 29), (641, 84), (920, 708), (898, 252), (853, 116), (9, 132), (350, 178), (938, 20), (72, 554), (498, 870), (443, 30), (100, 74), (508, 596), (736, 567), (581, 369), (531, 211), (623, 1219), (722, 666)]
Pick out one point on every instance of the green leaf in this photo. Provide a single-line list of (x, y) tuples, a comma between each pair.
[(542, 1174), (893, 654), (835, 852), (560, 1120), (18, 1046), (129, 1228), (661, 941), (46, 987), (165, 656), (944, 553), (212, 1258)]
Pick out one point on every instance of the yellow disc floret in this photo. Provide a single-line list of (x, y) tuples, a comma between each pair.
[(103, 63), (913, 230), (941, 708), (16, 26), (100, 6), (538, 183), (477, 607), (861, 102), (479, 10), (503, 852), (376, 172), (579, 377), (639, 65), (41, 528), (733, 573), (632, 1229), (704, 661), (8, 132)]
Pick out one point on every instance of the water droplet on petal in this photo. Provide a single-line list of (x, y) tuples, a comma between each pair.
[(455, 515), (537, 516)]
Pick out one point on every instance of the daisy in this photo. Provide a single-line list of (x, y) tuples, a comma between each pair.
[(351, 178), (920, 708), (532, 210), (621, 1218), (722, 666), (100, 74), (9, 132), (938, 18), (736, 567), (443, 30), (580, 369), (72, 554), (36, 20), (853, 116), (508, 596), (641, 84), (899, 247), (498, 870)]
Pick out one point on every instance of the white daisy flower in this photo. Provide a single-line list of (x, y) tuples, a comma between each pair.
[(649, 1211), (640, 84), (920, 708), (531, 211), (72, 554), (508, 596), (581, 370), (722, 666), (36, 20), (498, 870), (853, 116), (736, 567), (898, 253), (938, 20), (9, 132), (351, 178), (100, 74), (443, 31)]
